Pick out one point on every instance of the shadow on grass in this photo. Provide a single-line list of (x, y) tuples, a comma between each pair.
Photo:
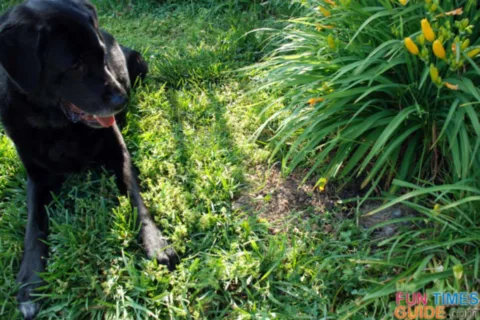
[(210, 144), (176, 122)]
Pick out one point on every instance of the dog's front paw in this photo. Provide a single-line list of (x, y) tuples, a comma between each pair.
[(29, 309), (26, 304), (156, 246)]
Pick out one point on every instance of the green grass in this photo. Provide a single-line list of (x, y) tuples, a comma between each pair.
[(189, 131)]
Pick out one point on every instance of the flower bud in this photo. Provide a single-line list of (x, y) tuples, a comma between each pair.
[(427, 30), (411, 46)]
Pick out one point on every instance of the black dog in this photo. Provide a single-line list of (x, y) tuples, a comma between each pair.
[(62, 84)]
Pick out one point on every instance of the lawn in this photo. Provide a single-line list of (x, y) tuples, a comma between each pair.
[(191, 131)]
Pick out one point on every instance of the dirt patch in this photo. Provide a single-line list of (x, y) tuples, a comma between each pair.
[(280, 199), (277, 198), (393, 214)]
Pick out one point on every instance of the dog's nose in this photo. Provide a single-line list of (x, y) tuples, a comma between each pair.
[(117, 100)]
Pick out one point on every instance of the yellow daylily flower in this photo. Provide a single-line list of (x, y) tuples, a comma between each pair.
[(438, 49), (403, 2), (454, 48), (313, 101), (411, 46), (427, 30), (455, 12), (322, 183), (324, 11), (320, 27), (330, 2), (473, 53), (451, 86)]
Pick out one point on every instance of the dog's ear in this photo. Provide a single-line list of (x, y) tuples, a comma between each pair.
[(136, 65), (93, 14), (20, 53)]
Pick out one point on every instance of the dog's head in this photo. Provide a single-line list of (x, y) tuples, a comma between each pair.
[(53, 50)]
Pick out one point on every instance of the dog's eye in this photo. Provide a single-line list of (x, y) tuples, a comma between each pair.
[(78, 66)]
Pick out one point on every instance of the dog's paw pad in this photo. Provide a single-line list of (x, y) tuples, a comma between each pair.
[(29, 309)]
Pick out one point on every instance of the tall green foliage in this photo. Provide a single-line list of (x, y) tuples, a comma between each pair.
[(358, 103), (387, 92)]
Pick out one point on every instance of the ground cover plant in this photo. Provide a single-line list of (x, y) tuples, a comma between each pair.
[(189, 131)]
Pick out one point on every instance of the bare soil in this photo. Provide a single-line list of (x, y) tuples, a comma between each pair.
[(282, 199), (276, 197)]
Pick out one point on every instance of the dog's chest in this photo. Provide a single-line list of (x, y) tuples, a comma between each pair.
[(64, 150), (71, 149)]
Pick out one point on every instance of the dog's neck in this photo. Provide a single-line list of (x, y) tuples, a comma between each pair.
[(34, 105)]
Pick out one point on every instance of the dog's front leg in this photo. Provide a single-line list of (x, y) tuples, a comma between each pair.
[(118, 159), (35, 249)]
